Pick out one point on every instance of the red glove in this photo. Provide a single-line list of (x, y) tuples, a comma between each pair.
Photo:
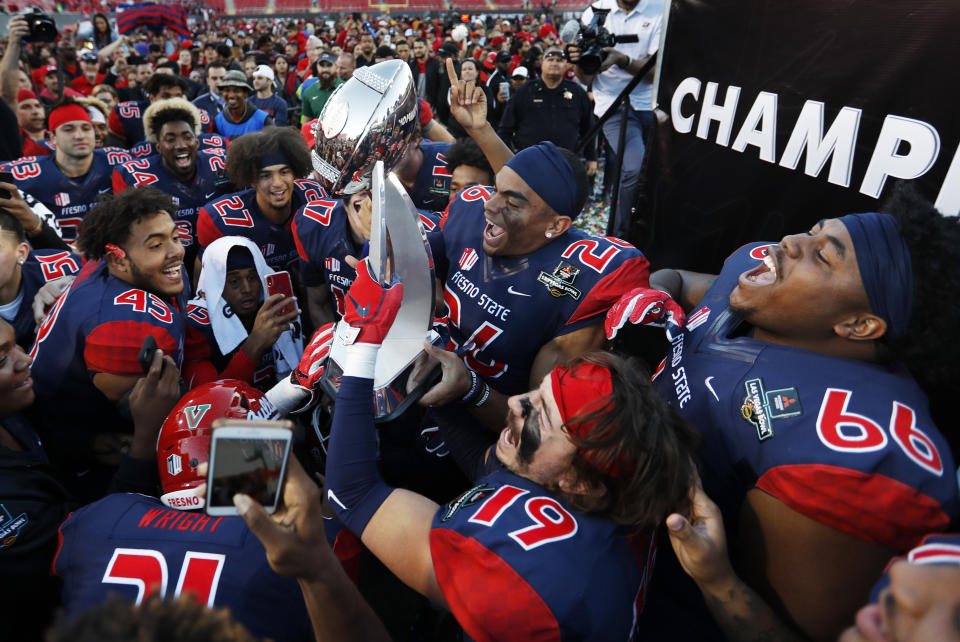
[(371, 309), (645, 306), (307, 375)]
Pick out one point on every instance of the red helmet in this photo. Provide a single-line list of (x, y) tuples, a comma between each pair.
[(184, 440)]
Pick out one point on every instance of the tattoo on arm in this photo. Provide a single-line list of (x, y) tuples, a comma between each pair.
[(745, 617)]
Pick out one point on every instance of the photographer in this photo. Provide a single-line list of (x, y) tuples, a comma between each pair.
[(643, 19)]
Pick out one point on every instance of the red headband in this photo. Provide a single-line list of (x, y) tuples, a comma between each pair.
[(580, 391), (67, 114)]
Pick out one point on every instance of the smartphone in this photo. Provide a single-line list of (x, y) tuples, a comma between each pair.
[(279, 282), (505, 89), (6, 177), (147, 351), (247, 457)]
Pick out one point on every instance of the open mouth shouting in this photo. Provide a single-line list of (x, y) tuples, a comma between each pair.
[(493, 234), (764, 274)]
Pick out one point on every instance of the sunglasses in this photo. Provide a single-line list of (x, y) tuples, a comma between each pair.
[(554, 54)]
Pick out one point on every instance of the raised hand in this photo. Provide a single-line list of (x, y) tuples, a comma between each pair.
[(468, 102)]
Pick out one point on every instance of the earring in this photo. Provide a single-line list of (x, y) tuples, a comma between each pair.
[(20, 262), (549, 235)]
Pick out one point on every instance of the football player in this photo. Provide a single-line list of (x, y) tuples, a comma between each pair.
[(539, 548), (267, 164), (68, 182), (35, 499), (233, 330), (126, 119), (524, 289), (137, 545), (796, 363), (86, 355), (23, 271), (179, 169)]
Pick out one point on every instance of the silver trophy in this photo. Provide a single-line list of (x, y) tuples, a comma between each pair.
[(372, 117), (398, 245)]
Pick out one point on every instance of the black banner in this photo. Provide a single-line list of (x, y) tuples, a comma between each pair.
[(779, 113)]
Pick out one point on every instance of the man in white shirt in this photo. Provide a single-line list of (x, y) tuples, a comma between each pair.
[(642, 18)]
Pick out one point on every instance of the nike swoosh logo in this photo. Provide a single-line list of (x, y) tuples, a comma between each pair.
[(512, 291), (713, 392)]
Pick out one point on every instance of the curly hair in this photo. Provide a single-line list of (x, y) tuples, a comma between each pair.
[(636, 425), (466, 152), (167, 111), (110, 220), (156, 619), (927, 349), (156, 82), (245, 153)]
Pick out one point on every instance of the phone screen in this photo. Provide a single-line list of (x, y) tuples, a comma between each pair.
[(250, 465)]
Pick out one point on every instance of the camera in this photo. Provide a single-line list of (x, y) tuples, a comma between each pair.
[(593, 38), (42, 27)]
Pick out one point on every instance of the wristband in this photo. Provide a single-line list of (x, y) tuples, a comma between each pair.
[(474, 387), (629, 62), (483, 397)]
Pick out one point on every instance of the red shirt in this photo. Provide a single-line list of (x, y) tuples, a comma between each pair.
[(81, 85)]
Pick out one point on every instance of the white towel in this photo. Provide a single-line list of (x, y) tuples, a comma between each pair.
[(227, 328)]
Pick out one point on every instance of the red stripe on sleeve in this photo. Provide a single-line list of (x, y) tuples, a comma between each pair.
[(488, 598), (870, 506), (634, 273), (114, 347), (207, 231), (118, 183)]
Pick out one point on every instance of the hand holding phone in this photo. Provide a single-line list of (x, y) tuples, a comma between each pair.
[(280, 283), (248, 457), (147, 350)]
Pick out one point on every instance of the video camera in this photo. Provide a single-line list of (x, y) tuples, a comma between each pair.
[(593, 38), (42, 27)]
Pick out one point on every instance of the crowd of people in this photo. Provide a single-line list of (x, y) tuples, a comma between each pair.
[(786, 472)]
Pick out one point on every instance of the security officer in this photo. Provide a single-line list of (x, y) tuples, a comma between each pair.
[(549, 108)]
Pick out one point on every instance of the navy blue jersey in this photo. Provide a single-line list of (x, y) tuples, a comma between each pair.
[(68, 198), (431, 191), (515, 563), (239, 215), (503, 310), (126, 120), (206, 142), (134, 546), (40, 267), (187, 197), (848, 443), (97, 325), (323, 239)]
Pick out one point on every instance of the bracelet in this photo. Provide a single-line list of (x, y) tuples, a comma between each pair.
[(483, 397), (474, 387), (629, 62)]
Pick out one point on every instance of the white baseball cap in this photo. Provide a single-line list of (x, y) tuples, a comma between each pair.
[(264, 72), (520, 71)]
